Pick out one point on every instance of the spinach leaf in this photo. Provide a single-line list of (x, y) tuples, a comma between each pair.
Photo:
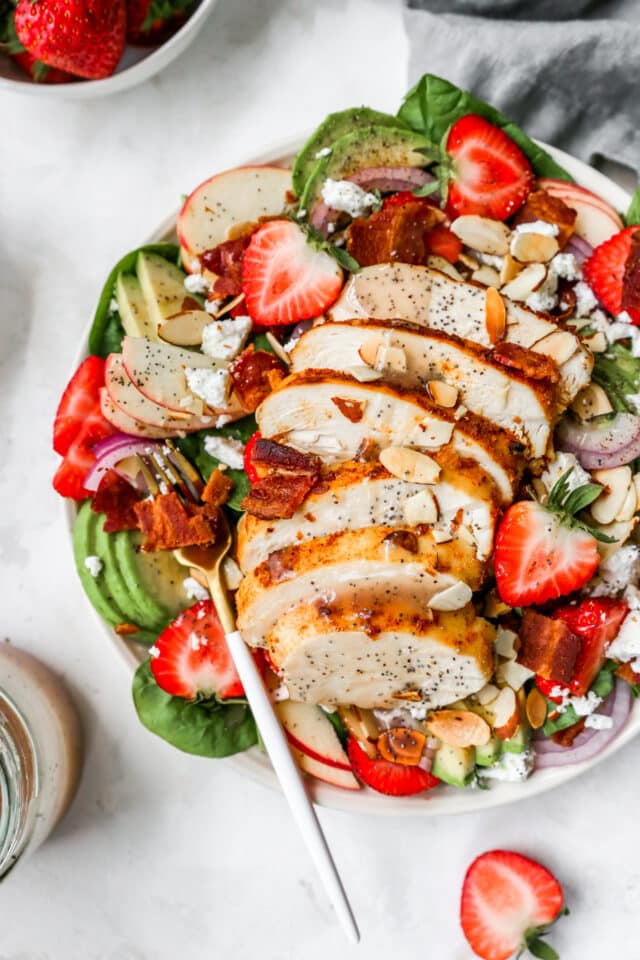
[(193, 447), (632, 217), (206, 728), (106, 330), (434, 104), (617, 371)]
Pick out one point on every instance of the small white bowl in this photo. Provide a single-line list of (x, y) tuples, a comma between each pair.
[(137, 64)]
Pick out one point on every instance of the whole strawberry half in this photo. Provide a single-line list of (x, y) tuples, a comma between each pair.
[(83, 37), (605, 272), (153, 21)]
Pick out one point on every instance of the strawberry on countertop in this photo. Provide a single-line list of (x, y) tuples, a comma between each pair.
[(508, 903), (385, 776), (608, 273)]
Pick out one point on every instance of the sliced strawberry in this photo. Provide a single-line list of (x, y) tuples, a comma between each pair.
[(394, 779), (507, 903), (80, 397), (547, 686), (284, 278), (604, 272), (191, 656), (403, 196), (39, 71), (490, 175), (597, 621), (443, 243), (71, 474), (249, 469)]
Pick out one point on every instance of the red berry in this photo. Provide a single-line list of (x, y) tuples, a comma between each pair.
[(394, 779), (604, 272)]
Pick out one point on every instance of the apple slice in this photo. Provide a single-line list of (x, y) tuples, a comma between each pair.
[(596, 220), (125, 395), (561, 188), (237, 196), (315, 743), (126, 424), (157, 370), (132, 307)]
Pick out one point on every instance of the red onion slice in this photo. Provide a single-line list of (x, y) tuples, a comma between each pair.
[(601, 444), (591, 742), (579, 247), (111, 451)]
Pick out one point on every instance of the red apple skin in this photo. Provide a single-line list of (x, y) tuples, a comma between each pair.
[(303, 748), (565, 191)]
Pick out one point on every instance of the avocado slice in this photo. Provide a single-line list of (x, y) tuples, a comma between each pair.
[(156, 579), (96, 588), (519, 742), (454, 765), (125, 598), (162, 285), (333, 128), (489, 753), (133, 309), (369, 146)]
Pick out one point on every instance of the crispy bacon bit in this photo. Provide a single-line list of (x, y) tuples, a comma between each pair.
[(533, 365), (278, 496), (405, 539), (255, 374), (167, 523), (269, 456), (631, 278), (126, 629), (217, 491), (225, 261), (116, 498), (395, 233), (540, 205), (566, 737), (353, 410), (548, 647), (626, 672)]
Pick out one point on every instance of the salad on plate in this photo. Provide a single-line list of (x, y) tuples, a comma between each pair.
[(408, 370)]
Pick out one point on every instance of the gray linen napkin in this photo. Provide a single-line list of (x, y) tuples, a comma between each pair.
[(565, 70)]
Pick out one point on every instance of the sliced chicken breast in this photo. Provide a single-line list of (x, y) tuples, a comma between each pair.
[(328, 655), (430, 298), (332, 415), (502, 394), (328, 568), (357, 495)]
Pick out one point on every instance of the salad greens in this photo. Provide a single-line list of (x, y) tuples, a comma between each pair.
[(617, 371), (601, 686), (193, 447), (632, 216), (434, 104)]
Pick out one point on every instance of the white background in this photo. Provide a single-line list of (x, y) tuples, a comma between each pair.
[(163, 855)]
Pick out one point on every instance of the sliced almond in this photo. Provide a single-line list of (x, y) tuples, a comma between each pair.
[(461, 412), (364, 374), (487, 276), (432, 433), (459, 728), (439, 263), (278, 349), (510, 269), (506, 713), (481, 233), (402, 745), (410, 465), (442, 393), (617, 482), (443, 535), (232, 573), (185, 329), (513, 673), (368, 352), (495, 315), (620, 533), (229, 306), (487, 695), (471, 262), (536, 708), (524, 284), (629, 507), (420, 508), (533, 247), (506, 641), (597, 343), (592, 401), (453, 598), (392, 359), (559, 346), (636, 484)]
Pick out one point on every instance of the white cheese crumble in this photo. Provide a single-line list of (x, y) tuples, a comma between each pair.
[(347, 197), (511, 767), (597, 721), (586, 300), (224, 339), (93, 565), (566, 266), (213, 306), (196, 283), (546, 296), (626, 646), (617, 571), (226, 451), (194, 590), (212, 386), (620, 330), (584, 706), (558, 467), (323, 153), (540, 227)]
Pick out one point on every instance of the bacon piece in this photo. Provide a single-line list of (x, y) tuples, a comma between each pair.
[(217, 490), (278, 496), (566, 737), (631, 278), (167, 523), (255, 373), (395, 233), (533, 365), (548, 647), (540, 205), (269, 456), (116, 498), (225, 261)]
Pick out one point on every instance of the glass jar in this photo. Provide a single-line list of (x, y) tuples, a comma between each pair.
[(40, 754)]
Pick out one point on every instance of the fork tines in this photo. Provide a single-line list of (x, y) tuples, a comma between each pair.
[(164, 468)]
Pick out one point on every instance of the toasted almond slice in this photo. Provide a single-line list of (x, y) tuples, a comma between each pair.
[(185, 329), (620, 532), (402, 745), (617, 482), (439, 263), (506, 643), (278, 349), (510, 269), (597, 343), (420, 508), (453, 598), (487, 276), (592, 401), (443, 535), (229, 306), (483, 234), (362, 724), (536, 708), (636, 484), (524, 284), (410, 465), (368, 352), (513, 673), (432, 433), (559, 346), (459, 728), (364, 374), (460, 412), (629, 506), (392, 359), (495, 315), (471, 262), (487, 695), (533, 247), (506, 713), (232, 573), (442, 393)]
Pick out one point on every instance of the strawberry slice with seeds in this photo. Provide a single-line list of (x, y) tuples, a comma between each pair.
[(249, 469), (508, 903), (442, 242), (597, 622), (385, 776), (191, 657), (489, 174), (72, 472), (604, 271), (79, 399), (284, 279)]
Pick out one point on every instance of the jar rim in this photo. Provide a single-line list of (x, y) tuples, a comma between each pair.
[(19, 782)]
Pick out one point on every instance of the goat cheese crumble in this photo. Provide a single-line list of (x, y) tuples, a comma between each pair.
[(586, 300), (93, 565), (597, 721), (626, 646), (224, 339), (226, 450), (347, 197), (511, 767), (212, 386), (618, 571), (558, 467), (194, 590), (538, 226), (196, 283)]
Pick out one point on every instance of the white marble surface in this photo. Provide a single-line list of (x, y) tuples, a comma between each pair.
[(162, 855)]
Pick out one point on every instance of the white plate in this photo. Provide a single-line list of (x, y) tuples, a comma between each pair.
[(137, 64), (443, 800)]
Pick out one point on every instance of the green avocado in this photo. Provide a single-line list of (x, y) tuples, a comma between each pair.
[(454, 765), (369, 146), (333, 128), (84, 545), (489, 753), (133, 309), (155, 579), (106, 549), (519, 742)]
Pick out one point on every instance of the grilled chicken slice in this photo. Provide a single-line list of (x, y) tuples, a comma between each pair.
[(372, 653), (332, 567), (357, 495), (333, 415), (429, 298), (502, 394)]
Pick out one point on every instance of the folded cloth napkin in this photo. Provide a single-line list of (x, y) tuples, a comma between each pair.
[(565, 70)]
